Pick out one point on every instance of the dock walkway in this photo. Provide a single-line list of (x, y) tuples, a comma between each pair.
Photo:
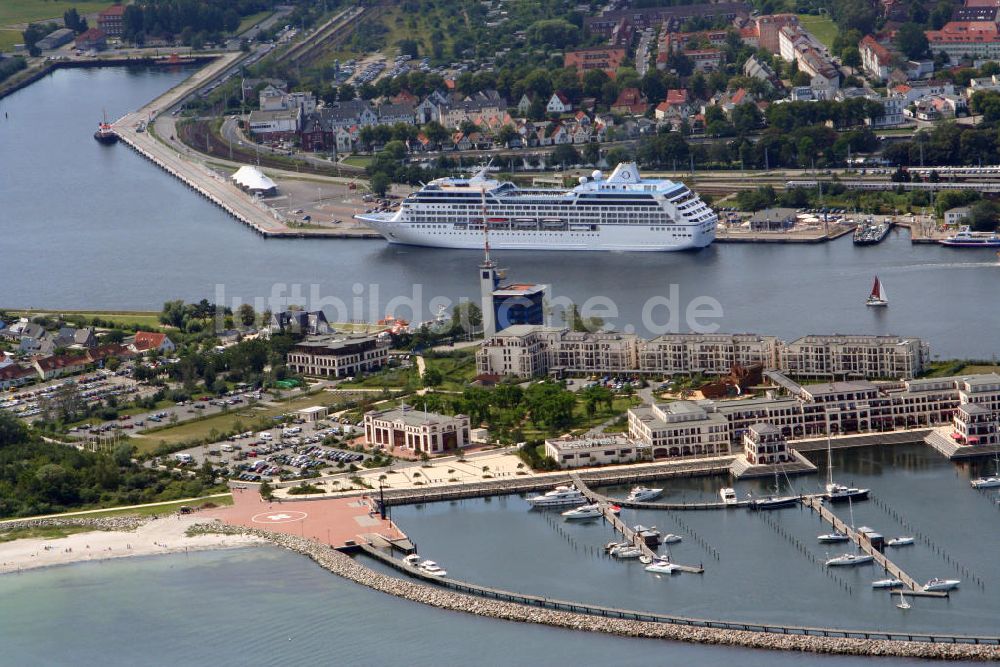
[(620, 526), (912, 587)]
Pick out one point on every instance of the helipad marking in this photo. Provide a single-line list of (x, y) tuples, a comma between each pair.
[(278, 517)]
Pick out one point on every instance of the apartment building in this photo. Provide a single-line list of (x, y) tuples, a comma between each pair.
[(680, 429), (593, 451), (853, 356), (338, 356)]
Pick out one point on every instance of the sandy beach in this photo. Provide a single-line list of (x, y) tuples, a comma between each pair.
[(160, 536)]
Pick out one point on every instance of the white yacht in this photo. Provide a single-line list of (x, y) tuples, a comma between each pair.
[(588, 512), (431, 568), (412, 560), (887, 583), (941, 584), (988, 482), (662, 567), (623, 212), (728, 496), (899, 542), (849, 559), (626, 552), (561, 496), (670, 538), (641, 494), (835, 536)]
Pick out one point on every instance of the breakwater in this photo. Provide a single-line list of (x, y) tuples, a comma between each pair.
[(530, 609)]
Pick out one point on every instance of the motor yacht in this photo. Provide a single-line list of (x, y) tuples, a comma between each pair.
[(431, 568), (941, 584), (662, 567), (835, 536), (728, 496), (641, 494), (561, 496), (899, 542), (887, 583)]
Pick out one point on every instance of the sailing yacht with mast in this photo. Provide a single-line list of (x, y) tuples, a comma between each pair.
[(850, 559), (837, 493), (774, 501), (878, 297)]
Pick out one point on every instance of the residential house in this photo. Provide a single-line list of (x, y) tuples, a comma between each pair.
[(53, 367), (93, 39), (147, 341), (111, 20), (630, 102), (274, 125), (558, 104), (390, 114), (758, 69), (15, 375), (876, 59), (704, 60), (960, 40), (605, 59), (312, 322), (675, 107), (524, 105)]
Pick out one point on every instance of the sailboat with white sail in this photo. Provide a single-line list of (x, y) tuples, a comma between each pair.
[(878, 297), (989, 482)]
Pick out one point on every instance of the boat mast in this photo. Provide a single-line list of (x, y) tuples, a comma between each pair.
[(829, 453)]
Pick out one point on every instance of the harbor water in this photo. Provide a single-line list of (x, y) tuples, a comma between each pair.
[(762, 567), (97, 227), (266, 606)]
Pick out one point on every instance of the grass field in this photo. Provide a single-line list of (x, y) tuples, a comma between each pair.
[(822, 27), (122, 317), (18, 12), (46, 532), (169, 508), (252, 20), (8, 38), (358, 160), (224, 422)]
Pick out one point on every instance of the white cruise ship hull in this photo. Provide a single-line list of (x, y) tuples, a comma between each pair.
[(623, 238)]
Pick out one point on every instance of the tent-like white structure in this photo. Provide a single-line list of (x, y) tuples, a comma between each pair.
[(253, 179)]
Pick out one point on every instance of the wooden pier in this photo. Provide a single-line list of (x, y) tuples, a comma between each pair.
[(911, 587), (620, 526)]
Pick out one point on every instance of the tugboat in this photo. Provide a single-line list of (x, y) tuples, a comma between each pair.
[(105, 135)]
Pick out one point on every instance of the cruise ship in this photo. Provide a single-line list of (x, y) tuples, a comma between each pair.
[(623, 212)]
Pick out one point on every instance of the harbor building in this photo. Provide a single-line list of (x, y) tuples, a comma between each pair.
[(338, 356), (416, 430), (975, 424), (853, 356), (504, 306), (764, 444), (558, 351), (679, 429), (571, 452), (708, 354)]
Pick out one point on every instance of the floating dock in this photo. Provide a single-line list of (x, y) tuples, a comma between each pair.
[(630, 535), (911, 586)]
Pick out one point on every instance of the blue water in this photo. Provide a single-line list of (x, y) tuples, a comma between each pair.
[(265, 606), (98, 227)]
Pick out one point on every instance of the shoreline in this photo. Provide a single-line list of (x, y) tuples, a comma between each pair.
[(144, 540), (111, 539)]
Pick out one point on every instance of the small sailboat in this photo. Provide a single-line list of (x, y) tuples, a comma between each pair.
[(878, 296), (903, 604), (989, 482)]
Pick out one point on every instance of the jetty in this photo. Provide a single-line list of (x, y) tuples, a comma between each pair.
[(620, 526), (911, 587)]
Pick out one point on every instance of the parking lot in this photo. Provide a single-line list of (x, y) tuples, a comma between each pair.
[(93, 388), (285, 452)]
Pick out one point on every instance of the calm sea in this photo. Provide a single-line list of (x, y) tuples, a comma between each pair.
[(94, 227)]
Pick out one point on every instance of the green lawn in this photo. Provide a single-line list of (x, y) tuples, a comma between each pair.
[(822, 27), (252, 20), (358, 160), (169, 508), (142, 318), (46, 532), (200, 429), (8, 38), (16, 12)]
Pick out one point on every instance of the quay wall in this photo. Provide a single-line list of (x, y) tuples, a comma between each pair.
[(499, 604)]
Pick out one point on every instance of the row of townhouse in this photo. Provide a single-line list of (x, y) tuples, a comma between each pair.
[(970, 405), (526, 351), (41, 368)]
